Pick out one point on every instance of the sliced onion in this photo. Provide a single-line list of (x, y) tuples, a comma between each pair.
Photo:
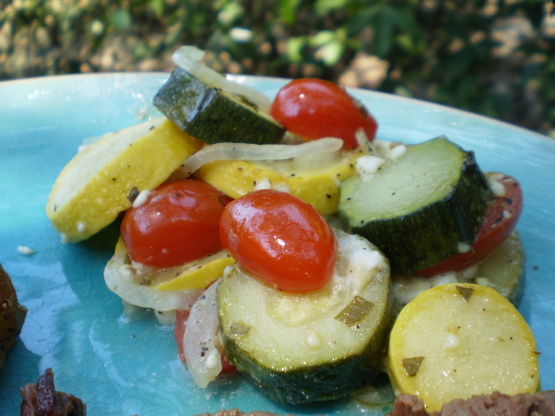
[(362, 140), (322, 149), (199, 340), (118, 276), (189, 58)]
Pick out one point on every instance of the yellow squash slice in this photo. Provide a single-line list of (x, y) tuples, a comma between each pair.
[(459, 340), (99, 182), (320, 187), (198, 274)]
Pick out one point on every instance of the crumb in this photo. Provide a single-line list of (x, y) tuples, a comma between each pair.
[(26, 251)]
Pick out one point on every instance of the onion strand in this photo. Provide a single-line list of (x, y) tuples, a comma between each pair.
[(199, 340), (118, 276), (260, 152), (189, 58)]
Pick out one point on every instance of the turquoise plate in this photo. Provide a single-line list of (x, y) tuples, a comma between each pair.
[(124, 367)]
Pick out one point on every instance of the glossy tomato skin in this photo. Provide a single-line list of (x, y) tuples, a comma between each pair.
[(181, 317), (500, 221), (314, 108), (177, 223), (280, 239)]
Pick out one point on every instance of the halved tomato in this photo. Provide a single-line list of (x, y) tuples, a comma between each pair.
[(500, 221)]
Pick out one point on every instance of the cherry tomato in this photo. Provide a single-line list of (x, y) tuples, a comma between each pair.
[(499, 223), (314, 108), (280, 239), (181, 317), (177, 223)]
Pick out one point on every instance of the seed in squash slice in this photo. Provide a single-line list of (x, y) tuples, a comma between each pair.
[(459, 340), (94, 187)]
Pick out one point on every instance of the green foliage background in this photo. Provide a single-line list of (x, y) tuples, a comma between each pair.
[(494, 57)]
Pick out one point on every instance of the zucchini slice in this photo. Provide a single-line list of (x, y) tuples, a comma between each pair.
[(421, 208), (212, 114), (503, 270), (314, 346)]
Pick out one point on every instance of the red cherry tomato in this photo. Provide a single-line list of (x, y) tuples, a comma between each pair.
[(499, 223), (280, 239), (179, 330), (313, 108), (177, 223)]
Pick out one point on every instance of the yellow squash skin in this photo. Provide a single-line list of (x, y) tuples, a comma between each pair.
[(320, 187), (93, 188)]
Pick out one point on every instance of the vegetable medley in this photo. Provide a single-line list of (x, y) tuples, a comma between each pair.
[(287, 242)]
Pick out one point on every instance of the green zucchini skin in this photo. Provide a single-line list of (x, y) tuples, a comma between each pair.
[(312, 383), (212, 115), (426, 233), (276, 358)]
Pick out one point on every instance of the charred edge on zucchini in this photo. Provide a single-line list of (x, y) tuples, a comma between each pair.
[(213, 115)]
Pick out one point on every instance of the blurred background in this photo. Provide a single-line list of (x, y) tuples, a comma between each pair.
[(492, 57)]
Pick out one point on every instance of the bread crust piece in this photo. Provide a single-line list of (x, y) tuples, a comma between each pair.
[(496, 404), (12, 315), (41, 398), (236, 412)]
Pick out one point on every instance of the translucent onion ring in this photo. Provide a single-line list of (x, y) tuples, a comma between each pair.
[(199, 340), (322, 149), (118, 277), (189, 58)]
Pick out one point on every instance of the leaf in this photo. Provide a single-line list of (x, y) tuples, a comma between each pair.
[(287, 9), (331, 53), (120, 19), (401, 19), (412, 365), (363, 19), (158, 7), (405, 41), (294, 48), (383, 37), (321, 38), (466, 292), (323, 7), (239, 329), (355, 311), (230, 13)]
